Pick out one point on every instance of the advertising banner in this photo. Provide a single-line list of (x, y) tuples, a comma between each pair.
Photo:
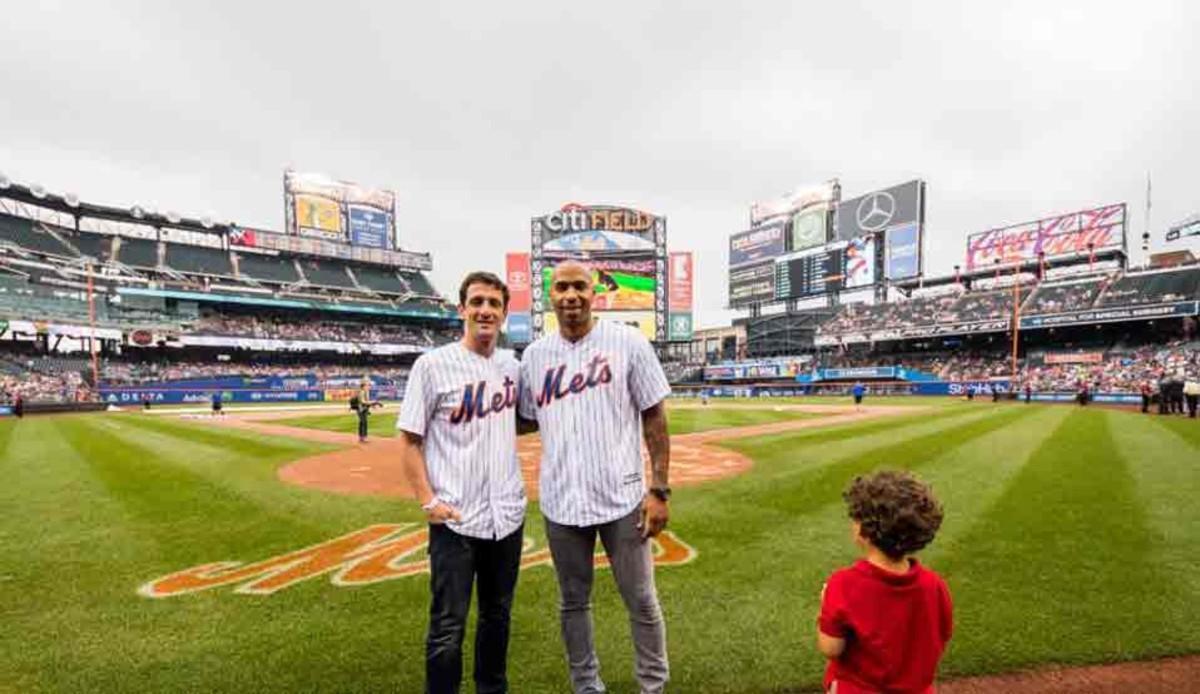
[(1077, 233), (268, 242), (519, 328), (680, 296), (369, 227), (1111, 315), (680, 293), (752, 284), (172, 396), (879, 210), (1073, 358), (318, 217), (516, 276), (757, 245), (902, 251)]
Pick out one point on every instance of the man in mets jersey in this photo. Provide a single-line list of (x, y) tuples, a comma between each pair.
[(458, 426), (596, 389)]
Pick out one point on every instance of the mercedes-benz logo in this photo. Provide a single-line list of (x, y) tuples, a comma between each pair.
[(875, 211)]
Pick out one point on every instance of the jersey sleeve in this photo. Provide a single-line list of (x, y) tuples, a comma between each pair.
[(526, 407), (647, 380), (418, 406), (832, 619)]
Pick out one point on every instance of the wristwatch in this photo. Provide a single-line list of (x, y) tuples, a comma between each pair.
[(661, 493)]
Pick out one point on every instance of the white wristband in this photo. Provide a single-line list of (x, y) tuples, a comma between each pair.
[(432, 504)]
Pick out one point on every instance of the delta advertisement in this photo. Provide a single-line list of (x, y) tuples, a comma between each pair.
[(324, 208), (626, 250), (241, 389), (1078, 233)]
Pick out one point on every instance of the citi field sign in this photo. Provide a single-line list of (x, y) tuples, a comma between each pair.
[(574, 217)]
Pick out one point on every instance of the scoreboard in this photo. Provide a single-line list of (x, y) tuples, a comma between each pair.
[(810, 272)]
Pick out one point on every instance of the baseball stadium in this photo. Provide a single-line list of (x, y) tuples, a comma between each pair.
[(187, 507)]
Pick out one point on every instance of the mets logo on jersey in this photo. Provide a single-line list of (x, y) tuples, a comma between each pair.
[(556, 387), (476, 404)]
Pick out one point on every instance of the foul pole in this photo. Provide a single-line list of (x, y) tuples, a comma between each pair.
[(91, 293), (1016, 324)]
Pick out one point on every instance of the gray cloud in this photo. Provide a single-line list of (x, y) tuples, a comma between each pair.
[(481, 116)]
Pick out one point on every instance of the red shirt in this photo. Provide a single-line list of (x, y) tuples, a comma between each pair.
[(895, 625)]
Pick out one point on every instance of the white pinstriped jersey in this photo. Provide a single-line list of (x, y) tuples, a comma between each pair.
[(463, 405), (588, 397)]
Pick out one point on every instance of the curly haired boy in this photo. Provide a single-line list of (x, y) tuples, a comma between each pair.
[(886, 619)]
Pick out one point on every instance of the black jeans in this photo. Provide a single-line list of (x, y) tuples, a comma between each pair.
[(1192, 402), (362, 423), (455, 563)]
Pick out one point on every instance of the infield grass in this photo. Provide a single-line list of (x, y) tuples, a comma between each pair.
[(1070, 537)]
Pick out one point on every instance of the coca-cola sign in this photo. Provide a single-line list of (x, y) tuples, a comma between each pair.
[(1080, 233)]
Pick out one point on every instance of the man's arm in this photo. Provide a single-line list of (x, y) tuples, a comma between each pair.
[(413, 459), (655, 511), (654, 431)]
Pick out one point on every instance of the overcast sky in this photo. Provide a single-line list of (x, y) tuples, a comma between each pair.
[(482, 115)]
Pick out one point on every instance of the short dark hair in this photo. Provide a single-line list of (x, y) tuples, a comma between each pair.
[(896, 511), (481, 277)]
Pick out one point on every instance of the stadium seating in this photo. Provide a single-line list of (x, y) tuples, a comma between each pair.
[(378, 279), (198, 260), (1153, 288), (93, 245), (268, 268), (324, 273), (32, 237), (1058, 298), (419, 284), (139, 253)]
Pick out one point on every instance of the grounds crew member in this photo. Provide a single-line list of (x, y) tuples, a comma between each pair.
[(596, 391), (458, 428), (362, 403)]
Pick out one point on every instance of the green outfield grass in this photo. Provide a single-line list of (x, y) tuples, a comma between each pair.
[(381, 424), (1070, 537), (681, 421)]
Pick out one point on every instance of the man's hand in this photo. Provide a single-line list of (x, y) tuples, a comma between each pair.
[(655, 514), (441, 513)]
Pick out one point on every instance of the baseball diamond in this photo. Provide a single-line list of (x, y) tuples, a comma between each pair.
[(202, 514)]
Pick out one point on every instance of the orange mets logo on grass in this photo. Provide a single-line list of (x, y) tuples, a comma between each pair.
[(374, 554)]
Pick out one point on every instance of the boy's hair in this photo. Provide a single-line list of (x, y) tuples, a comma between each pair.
[(897, 513), (480, 277)]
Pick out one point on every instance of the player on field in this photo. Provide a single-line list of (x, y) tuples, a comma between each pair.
[(596, 390), (858, 390), (885, 620), (458, 429)]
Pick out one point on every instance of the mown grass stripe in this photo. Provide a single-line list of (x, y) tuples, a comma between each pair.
[(838, 432), (1057, 569), (169, 501), (252, 443), (1164, 466)]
